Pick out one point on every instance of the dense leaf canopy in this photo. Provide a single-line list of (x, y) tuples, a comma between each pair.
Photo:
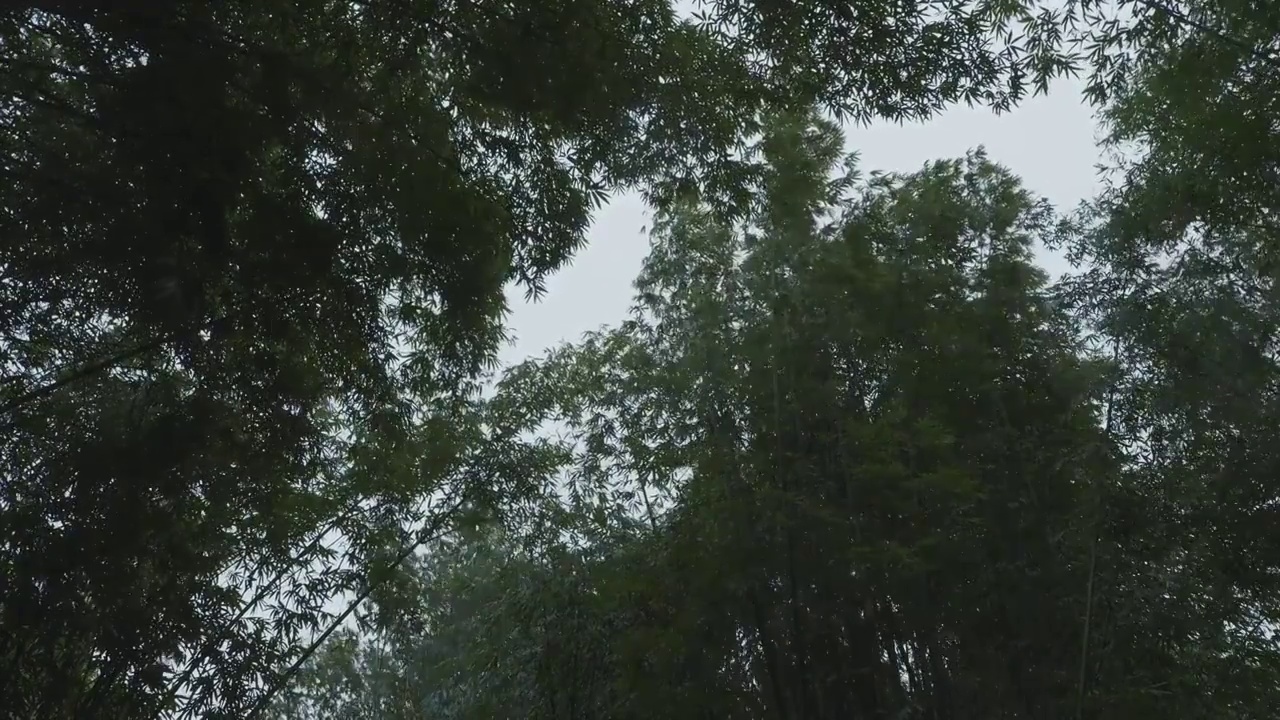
[(853, 455)]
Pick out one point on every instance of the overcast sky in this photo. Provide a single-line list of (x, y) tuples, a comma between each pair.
[(1048, 142)]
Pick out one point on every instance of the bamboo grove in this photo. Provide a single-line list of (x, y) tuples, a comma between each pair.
[(854, 454)]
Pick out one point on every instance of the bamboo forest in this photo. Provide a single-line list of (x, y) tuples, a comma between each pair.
[(855, 453)]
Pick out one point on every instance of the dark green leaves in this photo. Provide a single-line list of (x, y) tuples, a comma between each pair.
[(253, 262)]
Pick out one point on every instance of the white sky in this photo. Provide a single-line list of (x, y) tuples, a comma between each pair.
[(1048, 141)]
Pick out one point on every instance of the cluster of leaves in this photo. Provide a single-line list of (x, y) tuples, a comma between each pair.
[(1181, 247), (252, 261), (850, 457), (853, 456)]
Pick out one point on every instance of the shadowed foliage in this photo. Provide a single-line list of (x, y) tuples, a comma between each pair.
[(252, 262)]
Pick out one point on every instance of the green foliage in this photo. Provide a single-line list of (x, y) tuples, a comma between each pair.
[(253, 264), (857, 405), (1179, 288), (851, 456)]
